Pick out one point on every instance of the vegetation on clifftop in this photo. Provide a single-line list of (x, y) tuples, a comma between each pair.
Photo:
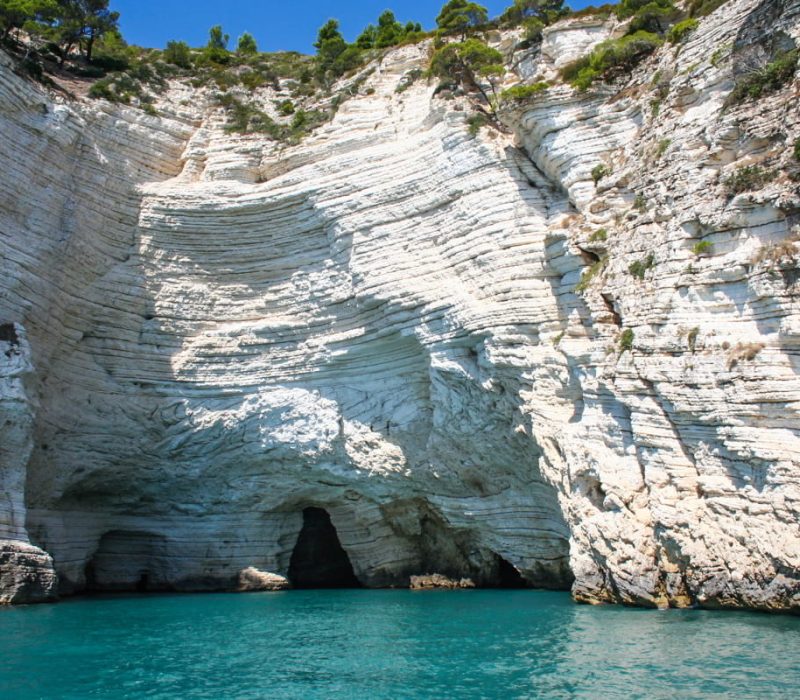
[(82, 38)]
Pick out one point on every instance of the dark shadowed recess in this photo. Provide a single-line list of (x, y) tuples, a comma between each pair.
[(8, 333), (128, 561), (318, 560), (508, 576)]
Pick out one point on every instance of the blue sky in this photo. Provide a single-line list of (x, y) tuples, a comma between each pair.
[(277, 25)]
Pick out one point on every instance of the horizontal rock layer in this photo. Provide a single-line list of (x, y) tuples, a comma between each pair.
[(383, 322)]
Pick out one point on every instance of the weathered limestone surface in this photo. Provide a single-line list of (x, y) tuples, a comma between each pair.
[(383, 322)]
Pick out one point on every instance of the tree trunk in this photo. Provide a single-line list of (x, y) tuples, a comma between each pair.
[(64, 53)]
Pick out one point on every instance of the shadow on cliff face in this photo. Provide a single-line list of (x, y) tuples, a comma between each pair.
[(318, 559)]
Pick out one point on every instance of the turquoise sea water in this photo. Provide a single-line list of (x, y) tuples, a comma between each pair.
[(390, 644)]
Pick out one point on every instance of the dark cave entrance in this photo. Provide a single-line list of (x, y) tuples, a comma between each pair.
[(507, 575), (318, 559)]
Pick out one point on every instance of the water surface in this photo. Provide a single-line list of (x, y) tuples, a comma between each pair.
[(390, 644)]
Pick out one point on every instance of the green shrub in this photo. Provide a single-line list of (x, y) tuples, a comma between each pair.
[(590, 274), (178, 54), (701, 8), (600, 235), (101, 90), (247, 118), (601, 11), (466, 63), (611, 59), (626, 340), (640, 203), (663, 145), (678, 32), (476, 122), (702, 247), (797, 149), (747, 179), (110, 62), (92, 71), (649, 15), (253, 80), (770, 78), (523, 93), (286, 108), (533, 30), (408, 80), (600, 171), (226, 79), (655, 106), (300, 120), (638, 268), (720, 53)]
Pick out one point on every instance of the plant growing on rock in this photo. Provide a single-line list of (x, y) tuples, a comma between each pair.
[(466, 62), (588, 275), (678, 32), (702, 248), (246, 45), (476, 122), (747, 179), (771, 78), (408, 80), (639, 267), (216, 50), (523, 93), (459, 16), (648, 15), (598, 236), (600, 171), (701, 8), (626, 340), (543, 11), (178, 54), (796, 150), (611, 59), (335, 56)]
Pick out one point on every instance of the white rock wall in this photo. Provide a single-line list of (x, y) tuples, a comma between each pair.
[(382, 321)]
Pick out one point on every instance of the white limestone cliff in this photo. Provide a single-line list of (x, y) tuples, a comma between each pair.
[(382, 321)]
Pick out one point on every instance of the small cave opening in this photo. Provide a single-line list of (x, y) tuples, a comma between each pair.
[(318, 559), (130, 561), (507, 575)]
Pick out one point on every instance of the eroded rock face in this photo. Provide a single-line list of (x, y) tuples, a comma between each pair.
[(383, 322), (26, 572)]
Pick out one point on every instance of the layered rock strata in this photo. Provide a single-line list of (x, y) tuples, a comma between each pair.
[(385, 323)]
